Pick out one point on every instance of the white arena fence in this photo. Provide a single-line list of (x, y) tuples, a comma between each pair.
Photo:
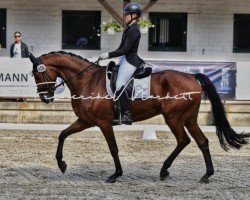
[(148, 131)]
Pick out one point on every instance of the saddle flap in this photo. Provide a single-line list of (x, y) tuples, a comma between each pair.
[(110, 68)]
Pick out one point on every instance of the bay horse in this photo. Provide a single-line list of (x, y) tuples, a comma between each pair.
[(84, 78)]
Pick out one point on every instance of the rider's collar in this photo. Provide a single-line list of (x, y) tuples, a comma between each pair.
[(132, 23)]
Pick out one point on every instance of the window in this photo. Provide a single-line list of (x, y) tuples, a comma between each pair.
[(169, 33), (81, 29), (241, 33), (3, 28)]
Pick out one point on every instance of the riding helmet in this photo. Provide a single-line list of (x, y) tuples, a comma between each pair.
[(133, 8)]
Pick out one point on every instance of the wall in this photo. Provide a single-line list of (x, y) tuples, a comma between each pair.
[(242, 79), (41, 23), (210, 26)]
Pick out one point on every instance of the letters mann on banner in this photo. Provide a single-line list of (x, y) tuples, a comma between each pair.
[(16, 81), (14, 77)]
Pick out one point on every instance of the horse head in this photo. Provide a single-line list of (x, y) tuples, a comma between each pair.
[(45, 78)]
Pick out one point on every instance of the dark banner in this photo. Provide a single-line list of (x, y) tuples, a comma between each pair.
[(222, 74)]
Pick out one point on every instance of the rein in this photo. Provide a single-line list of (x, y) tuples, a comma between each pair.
[(84, 70), (53, 88)]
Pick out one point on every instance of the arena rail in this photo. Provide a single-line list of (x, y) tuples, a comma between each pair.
[(149, 132)]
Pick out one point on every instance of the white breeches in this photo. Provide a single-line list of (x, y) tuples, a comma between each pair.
[(125, 73)]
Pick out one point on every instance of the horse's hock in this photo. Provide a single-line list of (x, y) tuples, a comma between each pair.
[(60, 112)]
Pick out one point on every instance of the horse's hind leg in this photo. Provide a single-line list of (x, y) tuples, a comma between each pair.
[(202, 143), (182, 141), (77, 126)]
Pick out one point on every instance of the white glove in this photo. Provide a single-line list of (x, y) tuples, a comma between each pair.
[(104, 56)]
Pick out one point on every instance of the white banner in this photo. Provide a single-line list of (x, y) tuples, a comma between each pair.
[(16, 81)]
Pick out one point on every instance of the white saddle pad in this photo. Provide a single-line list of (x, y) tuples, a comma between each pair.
[(141, 88)]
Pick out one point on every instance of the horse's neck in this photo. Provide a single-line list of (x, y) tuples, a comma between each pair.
[(65, 67), (89, 84), (79, 83)]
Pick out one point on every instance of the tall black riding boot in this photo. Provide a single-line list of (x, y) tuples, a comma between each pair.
[(117, 113), (126, 115)]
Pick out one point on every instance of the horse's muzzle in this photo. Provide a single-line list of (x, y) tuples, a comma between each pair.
[(47, 98)]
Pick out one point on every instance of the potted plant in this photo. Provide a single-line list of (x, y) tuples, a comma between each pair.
[(144, 24), (112, 27)]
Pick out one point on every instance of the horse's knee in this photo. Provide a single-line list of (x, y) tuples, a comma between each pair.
[(187, 141), (62, 136), (203, 144), (184, 141)]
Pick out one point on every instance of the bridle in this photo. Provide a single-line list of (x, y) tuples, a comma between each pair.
[(48, 86), (47, 82)]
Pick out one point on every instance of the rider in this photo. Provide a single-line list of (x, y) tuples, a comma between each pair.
[(129, 60)]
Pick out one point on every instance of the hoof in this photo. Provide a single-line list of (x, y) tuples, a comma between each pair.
[(110, 180), (164, 175), (63, 166), (204, 180)]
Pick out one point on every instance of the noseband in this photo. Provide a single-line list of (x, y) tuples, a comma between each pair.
[(48, 84)]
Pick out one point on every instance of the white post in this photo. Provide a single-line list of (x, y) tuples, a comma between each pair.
[(149, 133)]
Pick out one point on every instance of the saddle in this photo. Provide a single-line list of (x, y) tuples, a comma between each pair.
[(140, 73), (112, 73)]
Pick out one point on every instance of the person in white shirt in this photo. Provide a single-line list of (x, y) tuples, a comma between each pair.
[(19, 49)]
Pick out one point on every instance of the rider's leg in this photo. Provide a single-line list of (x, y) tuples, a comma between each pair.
[(125, 73), (124, 101), (126, 117)]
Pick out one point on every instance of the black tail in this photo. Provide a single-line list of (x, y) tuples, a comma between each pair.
[(223, 128)]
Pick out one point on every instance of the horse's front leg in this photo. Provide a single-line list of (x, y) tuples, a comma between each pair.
[(108, 133), (77, 126)]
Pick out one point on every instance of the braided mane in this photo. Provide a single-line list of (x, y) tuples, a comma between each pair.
[(66, 53)]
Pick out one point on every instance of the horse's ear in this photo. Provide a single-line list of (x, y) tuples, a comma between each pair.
[(33, 59)]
